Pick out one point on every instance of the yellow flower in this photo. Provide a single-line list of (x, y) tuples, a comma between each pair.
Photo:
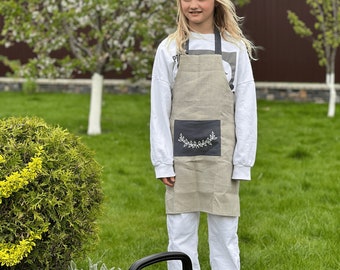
[(18, 180), (12, 254)]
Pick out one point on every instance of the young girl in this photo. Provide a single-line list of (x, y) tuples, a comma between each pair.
[(203, 127)]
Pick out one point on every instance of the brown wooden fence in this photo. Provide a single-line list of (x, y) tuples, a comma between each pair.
[(284, 56)]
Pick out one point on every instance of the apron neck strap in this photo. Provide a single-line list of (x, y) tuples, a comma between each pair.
[(218, 43)]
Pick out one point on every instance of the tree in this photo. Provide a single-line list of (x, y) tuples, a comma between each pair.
[(326, 38), (97, 36), (241, 2)]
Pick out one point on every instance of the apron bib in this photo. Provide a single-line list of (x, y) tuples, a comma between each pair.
[(203, 130)]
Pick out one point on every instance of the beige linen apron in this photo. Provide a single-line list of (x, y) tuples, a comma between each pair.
[(203, 129)]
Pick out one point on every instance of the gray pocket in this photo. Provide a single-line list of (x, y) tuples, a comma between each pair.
[(197, 138)]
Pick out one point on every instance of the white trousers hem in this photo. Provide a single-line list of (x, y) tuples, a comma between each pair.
[(223, 240)]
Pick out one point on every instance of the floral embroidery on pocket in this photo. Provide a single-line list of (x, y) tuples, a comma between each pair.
[(197, 144), (194, 138)]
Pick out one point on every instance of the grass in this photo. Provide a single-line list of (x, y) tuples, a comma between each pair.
[(290, 210)]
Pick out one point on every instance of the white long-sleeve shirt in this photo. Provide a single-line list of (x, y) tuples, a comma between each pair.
[(240, 77)]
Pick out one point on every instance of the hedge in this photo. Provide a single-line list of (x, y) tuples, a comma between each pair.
[(50, 195)]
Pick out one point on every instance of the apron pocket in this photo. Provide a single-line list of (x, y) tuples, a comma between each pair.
[(197, 138)]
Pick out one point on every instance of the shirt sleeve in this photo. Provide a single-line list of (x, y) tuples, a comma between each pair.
[(160, 134), (245, 119)]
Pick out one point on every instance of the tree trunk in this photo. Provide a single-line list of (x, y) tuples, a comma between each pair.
[(330, 81), (94, 126)]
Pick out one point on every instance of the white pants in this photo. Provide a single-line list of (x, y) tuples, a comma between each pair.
[(223, 240)]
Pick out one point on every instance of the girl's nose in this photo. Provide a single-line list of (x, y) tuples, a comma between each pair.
[(194, 4)]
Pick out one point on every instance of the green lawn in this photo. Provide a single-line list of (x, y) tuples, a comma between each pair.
[(290, 210)]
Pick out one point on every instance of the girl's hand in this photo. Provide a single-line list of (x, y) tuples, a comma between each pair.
[(169, 181)]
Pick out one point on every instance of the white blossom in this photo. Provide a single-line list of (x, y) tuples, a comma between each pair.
[(89, 31)]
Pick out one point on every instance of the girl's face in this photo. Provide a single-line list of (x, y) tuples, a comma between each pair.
[(200, 14)]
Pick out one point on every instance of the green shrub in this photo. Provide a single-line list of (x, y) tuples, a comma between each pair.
[(92, 266), (30, 86), (50, 194)]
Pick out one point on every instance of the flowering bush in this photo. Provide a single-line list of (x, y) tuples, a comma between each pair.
[(95, 36), (49, 195)]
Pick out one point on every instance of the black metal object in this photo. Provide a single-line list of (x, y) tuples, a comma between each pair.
[(161, 257)]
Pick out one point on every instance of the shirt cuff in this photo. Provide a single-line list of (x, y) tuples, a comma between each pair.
[(164, 170), (241, 173)]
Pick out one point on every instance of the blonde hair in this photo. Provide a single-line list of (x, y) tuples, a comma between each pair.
[(225, 19)]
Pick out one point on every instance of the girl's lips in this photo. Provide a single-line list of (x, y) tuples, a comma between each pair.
[(195, 12)]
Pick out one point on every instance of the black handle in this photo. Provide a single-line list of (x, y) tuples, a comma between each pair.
[(163, 256)]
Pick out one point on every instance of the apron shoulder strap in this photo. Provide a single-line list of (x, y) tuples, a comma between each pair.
[(218, 43)]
